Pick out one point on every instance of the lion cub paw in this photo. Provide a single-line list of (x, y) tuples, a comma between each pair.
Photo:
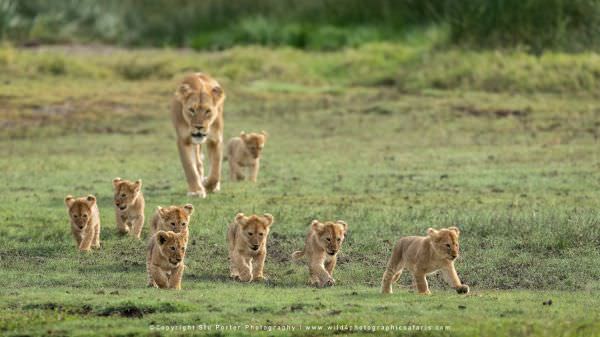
[(261, 278), (201, 194), (463, 289)]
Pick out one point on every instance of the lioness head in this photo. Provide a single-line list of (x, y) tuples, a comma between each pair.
[(126, 192), (175, 218), (80, 210), (445, 241), (172, 246), (254, 229), (254, 142), (330, 234), (199, 104)]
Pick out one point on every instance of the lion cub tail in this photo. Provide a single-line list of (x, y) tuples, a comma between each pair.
[(297, 255)]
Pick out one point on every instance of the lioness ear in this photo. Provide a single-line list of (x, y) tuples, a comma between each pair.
[(239, 218), (454, 229), (116, 182), (91, 200), (162, 237), (217, 93), (69, 200), (431, 232), (269, 218), (183, 92), (343, 223), (137, 185), (316, 225), (188, 208)]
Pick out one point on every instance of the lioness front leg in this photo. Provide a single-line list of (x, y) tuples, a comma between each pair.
[(451, 277), (199, 163), (186, 155), (176, 276), (215, 155), (259, 266)]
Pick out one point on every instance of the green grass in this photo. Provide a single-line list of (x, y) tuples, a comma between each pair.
[(516, 170)]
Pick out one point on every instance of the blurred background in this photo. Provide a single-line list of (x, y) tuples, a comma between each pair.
[(532, 25)]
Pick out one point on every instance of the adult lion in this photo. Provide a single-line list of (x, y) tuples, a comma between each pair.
[(197, 114)]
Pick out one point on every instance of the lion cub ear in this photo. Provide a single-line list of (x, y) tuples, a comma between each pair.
[(116, 182), (162, 237), (455, 230), (243, 136), (344, 224), (431, 232), (69, 200), (317, 226), (91, 200), (269, 218), (137, 186), (183, 92), (240, 218), (188, 208), (265, 134)]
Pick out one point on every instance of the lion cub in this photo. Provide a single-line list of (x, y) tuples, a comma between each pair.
[(172, 218), (129, 206), (244, 152), (247, 239), (323, 242), (423, 255), (164, 261), (85, 221)]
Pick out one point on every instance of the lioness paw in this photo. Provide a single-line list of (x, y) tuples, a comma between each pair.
[(463, 289), (201, 194)]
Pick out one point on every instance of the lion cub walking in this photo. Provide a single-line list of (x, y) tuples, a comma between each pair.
[(244, 152), (129, 206), (323, 242), (85, 221), (422, 255), (172, 218), (247, 239), (164, 261)]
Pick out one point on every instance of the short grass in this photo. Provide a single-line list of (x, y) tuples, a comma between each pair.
[(516, 171)]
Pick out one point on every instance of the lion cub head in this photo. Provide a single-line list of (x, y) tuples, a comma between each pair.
[(172, 246), (126, 192), (80, 210), (445, 242), (175, 218), (330, 235), (254, 142), (254, 229), (200, 100)]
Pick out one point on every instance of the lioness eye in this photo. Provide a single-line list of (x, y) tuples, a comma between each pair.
[(183, 223), (261, 234), (339, 239), (328, 239), (249, 233), (74, 215), (208, 111), (173, 224), (448, 245), (173, 248), (85, 215), (123, 195)]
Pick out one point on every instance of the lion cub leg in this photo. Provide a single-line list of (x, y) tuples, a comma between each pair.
[(451, 277), (392, 272), (235, 171), (318, 275), (244, 269), (330, 266), (258, 268), (96, 240), (137, 225), (421, 282), (157, 277), (122, 225), (176, 276), (86, 240), (254, 170)]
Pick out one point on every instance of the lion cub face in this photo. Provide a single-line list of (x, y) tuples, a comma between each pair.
[(254, 229), (175, 218), (199, 107), (445, 242), (254, 142), (330, 235), (80, 210), (125, 192), (172, 246)]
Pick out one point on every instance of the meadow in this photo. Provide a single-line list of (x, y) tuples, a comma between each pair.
[(392, 138)]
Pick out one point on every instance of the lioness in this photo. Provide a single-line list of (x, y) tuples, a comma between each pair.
[(247, 240), (85, 221), (172, 218), (422, 255), (164, 261), (244, 152), (129, 206), (197, 115), (323, 242)]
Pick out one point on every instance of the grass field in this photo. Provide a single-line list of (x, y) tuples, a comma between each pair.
[(358, 135)]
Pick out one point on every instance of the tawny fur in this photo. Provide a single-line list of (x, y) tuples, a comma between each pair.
[(197, 115), (164, 260), (172, 218), (423, 255), (322, 245), (85, 221), (244, 152), (129, 206), (247, 240)]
